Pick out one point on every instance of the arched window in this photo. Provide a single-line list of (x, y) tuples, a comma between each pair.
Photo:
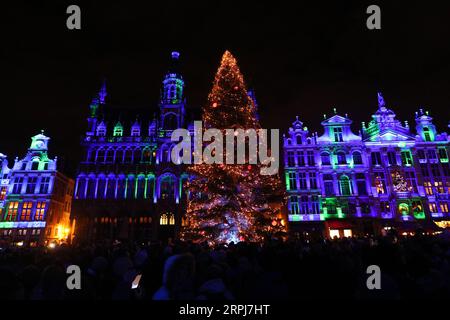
[(100, 155), (81, 187), (140, 187), (137, 155), (147, 155), (341, 158), (35, 165), (130, 187), (163, 219), (426, 134), (357, 158), (167, 187), (119, 156), (128, 156), (121, 188), (150, 186), (299, 139), (91, 188), (111, 188), (344, 184), (325, 157), (101, 185), (109, 157), (170, 121)]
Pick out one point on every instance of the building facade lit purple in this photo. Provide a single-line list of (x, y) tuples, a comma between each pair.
[(384, 177), (35, 198), (127, 186)]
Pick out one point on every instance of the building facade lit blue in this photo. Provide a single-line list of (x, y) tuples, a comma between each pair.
[(384, 177)]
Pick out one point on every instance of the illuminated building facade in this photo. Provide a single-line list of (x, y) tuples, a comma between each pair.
[(127, 187), (342, 184), (35, 198)]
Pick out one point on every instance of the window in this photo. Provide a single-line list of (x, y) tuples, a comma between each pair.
[(118, 131), (130, 187), (3, 193), (380, 183), (147, 156), (35, 165), (411, 178), (81, 188), (311, 161), (292, 181), (337, 132), (376, 158), (426, 134), (301, 158), (111, 188), (17, 186), (171, 219), (163, 219), (291, 159), (444, 207), (90, 194), (302, 180), (424, 170), (294, 205), (439, 186), (31, 185), (45, 185), (428, 188), (357, 158), (341, 159), (344, 184), (100, 155), (421, 154), (312, 180), (26, 211), (433, 207), (128, 156), (140, 188), (12, 211), (119, 156), (109, 158), (432, 154), (101, 130), (135, 131), (315, 204), (167, 187), (392, 158), (385, 207), (443, 156), (299, 139), (435, 170), (325, 157), (101, 188), (406, 158), (361, 184), (121, 188), (304, 205), (328, 184)]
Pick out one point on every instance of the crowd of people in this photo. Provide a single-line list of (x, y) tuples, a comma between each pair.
[(412, 267)]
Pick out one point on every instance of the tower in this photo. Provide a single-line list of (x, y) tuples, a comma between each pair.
[(424, 126), (172, 104)]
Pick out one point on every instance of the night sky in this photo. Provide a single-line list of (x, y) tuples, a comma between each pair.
[(301, 60)]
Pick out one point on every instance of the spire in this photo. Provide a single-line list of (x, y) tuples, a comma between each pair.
[(102, 93), (381, 103), (173, 83)]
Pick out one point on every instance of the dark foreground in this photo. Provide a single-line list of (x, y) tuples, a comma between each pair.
[(415, 267)]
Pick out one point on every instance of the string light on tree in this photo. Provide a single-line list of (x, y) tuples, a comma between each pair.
[(229, 202)]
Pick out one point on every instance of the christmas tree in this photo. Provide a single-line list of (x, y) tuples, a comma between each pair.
[(231, 202)]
